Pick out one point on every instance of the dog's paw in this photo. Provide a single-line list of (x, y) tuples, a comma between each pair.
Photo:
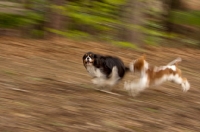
[(185, 86), (97, 81), (127, 85)]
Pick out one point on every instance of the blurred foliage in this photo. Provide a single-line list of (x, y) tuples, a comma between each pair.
[(14, 20), (125, 44), (74, 34), (96, 19), (10, 21), (37, 33), (191, 18)]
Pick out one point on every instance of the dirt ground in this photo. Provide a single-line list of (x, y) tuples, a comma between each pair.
[(44, 87)]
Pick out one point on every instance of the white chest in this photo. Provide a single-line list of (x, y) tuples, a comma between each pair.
[(91, 70), (94, 72)]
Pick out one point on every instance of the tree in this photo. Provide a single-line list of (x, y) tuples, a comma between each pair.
[(135, 18), (55, 18)]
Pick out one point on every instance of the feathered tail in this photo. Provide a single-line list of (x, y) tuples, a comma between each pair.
[(174, 61)]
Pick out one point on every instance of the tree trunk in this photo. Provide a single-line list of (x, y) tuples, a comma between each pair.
[(55, 18), (135, 17), (170, 5)]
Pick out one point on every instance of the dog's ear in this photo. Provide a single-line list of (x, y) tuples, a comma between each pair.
[(83, 56), (95, 56), (144, 56), (96, 60)]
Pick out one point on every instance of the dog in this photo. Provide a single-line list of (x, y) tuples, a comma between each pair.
[(151, 76), (105, 70)]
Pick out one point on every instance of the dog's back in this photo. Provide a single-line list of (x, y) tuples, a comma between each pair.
[(110, 62)]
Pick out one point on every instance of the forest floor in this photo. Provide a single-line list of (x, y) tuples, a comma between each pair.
[(44, 87)]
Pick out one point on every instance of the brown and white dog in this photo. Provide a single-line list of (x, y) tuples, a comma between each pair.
[(151, 76)]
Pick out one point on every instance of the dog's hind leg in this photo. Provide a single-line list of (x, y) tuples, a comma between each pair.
[(185, 85), (114, 77), (178, 79), (135, 87)]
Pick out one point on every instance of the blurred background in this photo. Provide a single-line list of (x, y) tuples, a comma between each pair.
[(123, 22), (44, 86)]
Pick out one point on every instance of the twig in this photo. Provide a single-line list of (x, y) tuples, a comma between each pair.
[(108, 92)]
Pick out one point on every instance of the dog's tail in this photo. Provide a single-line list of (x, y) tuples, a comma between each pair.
[(127, 69), (174, 62)]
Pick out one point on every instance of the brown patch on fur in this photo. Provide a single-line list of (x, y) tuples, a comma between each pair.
[(184, 79), (139, 63), (153, 76), (178, 71), (180, 74)]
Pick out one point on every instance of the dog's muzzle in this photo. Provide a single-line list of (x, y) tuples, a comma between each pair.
[(88, 60)]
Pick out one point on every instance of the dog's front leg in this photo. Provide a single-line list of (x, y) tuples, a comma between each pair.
[(131, 87), (135, 87)]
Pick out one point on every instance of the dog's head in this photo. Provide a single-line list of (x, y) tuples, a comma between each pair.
[(139, 64), (88, 58)]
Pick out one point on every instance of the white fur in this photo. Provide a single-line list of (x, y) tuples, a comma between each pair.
[(173, 67), (101, 79), (185, 86), (88, 57), (131, 66), (134, 87), (157, 69), (95, 72), (146, 66)]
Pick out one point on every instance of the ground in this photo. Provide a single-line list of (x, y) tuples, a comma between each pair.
[(44, 87)]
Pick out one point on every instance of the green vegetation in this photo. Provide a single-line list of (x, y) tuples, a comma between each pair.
[(191, 18), (107, 20)]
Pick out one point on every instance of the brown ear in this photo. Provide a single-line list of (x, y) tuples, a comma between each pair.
[(144, 56)]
